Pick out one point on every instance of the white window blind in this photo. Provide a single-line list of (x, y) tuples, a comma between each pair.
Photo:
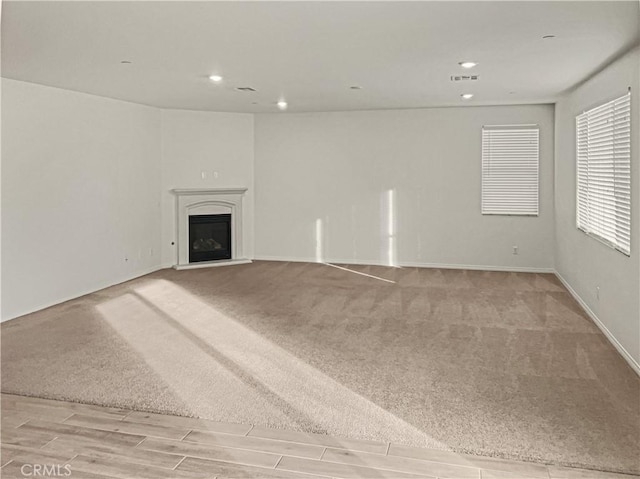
[(603, 150), (510, 165)]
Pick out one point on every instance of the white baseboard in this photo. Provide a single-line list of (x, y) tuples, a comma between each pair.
[(211, 264), (85, 292), (302, 259), (612, 339), (475, 267)]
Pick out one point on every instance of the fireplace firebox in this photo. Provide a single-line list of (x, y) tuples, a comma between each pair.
[(209, 237)]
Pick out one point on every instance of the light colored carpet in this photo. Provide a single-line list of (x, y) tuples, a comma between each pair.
[(502, 364)]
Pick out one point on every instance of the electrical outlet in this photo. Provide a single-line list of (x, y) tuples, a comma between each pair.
[(215, 174), (150, 251), (203, 174), (515, 250), (598, 293)]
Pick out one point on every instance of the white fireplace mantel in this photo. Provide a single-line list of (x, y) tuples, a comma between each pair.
[(208, 191), (209, 201)]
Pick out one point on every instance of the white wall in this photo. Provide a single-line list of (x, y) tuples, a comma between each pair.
[(194, 142), (339, 167), (80, 202), (85, 188), (582, 261)]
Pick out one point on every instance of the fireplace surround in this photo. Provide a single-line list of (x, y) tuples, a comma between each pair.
[(209, 227)]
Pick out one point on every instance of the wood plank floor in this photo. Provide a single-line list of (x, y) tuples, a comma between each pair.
[(44, 438)]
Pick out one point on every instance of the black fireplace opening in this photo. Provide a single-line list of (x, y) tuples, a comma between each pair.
[(209, 237)]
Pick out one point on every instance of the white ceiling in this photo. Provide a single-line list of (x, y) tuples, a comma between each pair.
[(402, 54)]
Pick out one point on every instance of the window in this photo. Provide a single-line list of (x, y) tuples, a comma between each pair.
[(510, 159), (603, 157)]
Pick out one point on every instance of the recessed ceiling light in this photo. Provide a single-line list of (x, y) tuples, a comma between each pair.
[(282, 105), (355, 87), (467, 64), (547, 37), (126, 62), (215, 78), (467, 96)]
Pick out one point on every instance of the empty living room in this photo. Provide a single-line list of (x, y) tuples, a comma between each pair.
[(320, 239)]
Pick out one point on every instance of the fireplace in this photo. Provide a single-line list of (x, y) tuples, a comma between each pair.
[(209, 237), (209, 227)]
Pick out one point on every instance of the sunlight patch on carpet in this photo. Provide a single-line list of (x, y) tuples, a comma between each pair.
[(226, 370)]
